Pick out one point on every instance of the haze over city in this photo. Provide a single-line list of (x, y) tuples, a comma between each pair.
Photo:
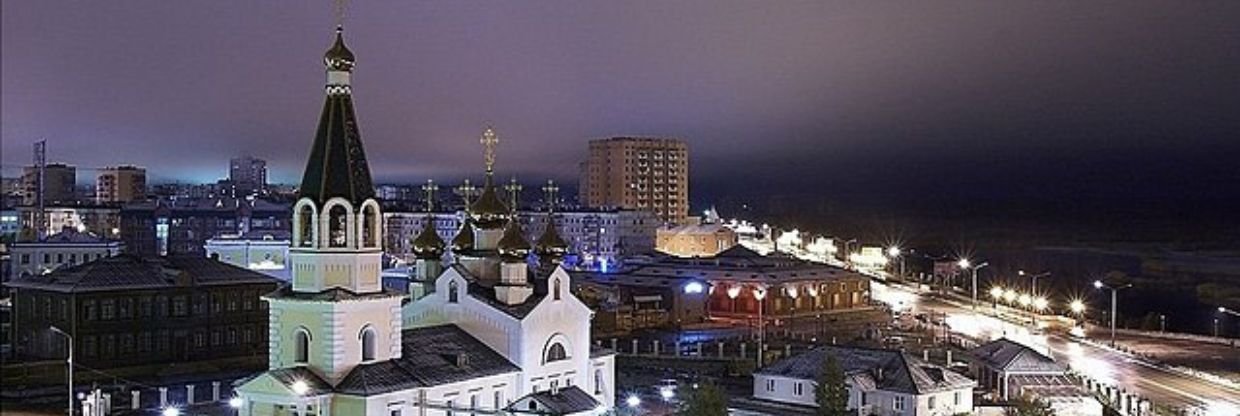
[(1119, 108)]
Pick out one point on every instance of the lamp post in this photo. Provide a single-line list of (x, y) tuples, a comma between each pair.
[(68, 363), (1114, 290), (759, 293), (894, 252), (965, 264), (1035, 277)]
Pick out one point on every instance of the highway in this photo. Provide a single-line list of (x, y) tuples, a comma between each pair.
[(1161, 386)]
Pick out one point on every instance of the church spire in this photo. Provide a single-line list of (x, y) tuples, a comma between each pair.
[(337, 166)]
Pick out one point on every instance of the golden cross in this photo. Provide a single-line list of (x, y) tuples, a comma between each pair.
[(489, 140)]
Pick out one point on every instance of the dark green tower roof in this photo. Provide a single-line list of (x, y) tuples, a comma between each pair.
[(337, 165)]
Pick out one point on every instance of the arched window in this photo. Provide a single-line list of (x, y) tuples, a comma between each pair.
[(305, 226), (369, 223), (556, 353), (338, 226), (368, 343), (555, 291), (301, 343), (598, 382), (452, 292)]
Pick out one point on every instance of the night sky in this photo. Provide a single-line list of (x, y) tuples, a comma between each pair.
[(1051, 106)]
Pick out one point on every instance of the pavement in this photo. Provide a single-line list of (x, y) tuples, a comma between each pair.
[(1164, 387)]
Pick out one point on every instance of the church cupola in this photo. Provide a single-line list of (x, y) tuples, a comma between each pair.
[(463, 243), (339, 57), (550, 247), (513, 248)]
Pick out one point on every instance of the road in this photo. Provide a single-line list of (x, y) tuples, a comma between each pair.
[(1163, 387)]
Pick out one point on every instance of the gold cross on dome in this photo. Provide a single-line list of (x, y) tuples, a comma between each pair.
[(489, 141), (430, 188)]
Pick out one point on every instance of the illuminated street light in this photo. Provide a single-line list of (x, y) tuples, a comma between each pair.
[(1040, 304), (633, 401), (893, 251), (1009, 295), (734, 291), (996, 292), (171, 411), (963, 263), (235, 402), (300, 387), (1077, 307), (1114, 297), (694, 287), (667, 393), (759, 293)]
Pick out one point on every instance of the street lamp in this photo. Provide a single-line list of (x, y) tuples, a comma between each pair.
[(1114, 290), (894, 252), (965, 264), (1035, 277), (759, 293), (68, 363), (1077, 307), (1228, 311)]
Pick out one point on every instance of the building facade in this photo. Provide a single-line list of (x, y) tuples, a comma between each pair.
[(879, 382), (67, 248), (737, 284), (183, 226), (129, 311), (101, 220), (120, 184), (263, 251), (650, 174), (694, 240), (248, 175), (59, 184), (1007, 370)]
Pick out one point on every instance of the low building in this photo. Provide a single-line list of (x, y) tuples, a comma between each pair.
[(102, 220), (129, 311), (67, 248), (1007, 370), (674, 291), (879, 382), (263, 251), (694, 240), (182, 226)]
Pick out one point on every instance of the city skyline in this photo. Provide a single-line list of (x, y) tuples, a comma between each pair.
[(1045, 95)]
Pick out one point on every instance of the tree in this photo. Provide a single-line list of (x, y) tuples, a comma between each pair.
[(1029, 406), (831, 394), (706, 400)]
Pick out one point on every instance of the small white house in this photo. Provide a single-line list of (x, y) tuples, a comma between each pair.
[(879, 382), (1008, 370)]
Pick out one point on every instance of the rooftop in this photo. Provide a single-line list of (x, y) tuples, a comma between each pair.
[(430, 356), (128, 272), (1007, 355), (887, 370)]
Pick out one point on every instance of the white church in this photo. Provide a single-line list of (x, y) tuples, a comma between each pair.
[(492, 327)]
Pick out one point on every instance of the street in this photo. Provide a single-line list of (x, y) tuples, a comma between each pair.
[(1163, 387)]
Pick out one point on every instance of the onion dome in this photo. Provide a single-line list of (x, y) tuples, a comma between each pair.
[(489, 211), (513, 246), (464, 240), (427, 245), (549, 244), (339, 57)]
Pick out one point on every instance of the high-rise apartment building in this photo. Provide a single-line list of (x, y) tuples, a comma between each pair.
[(120, 184), (641, 173), (248, 175), (58, 184)]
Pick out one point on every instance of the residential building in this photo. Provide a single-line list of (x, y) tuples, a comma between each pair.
[(126, 311), (694, 240), (263, 251), (67, 248), (1007, 370), (495, 333), (247, 175), (643, 173), (183, 226), (673, 291), (59, 182), (120, 184), (879, 382), (101, 220)]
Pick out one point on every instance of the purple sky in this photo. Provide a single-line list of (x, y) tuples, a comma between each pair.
[(855, 94)]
